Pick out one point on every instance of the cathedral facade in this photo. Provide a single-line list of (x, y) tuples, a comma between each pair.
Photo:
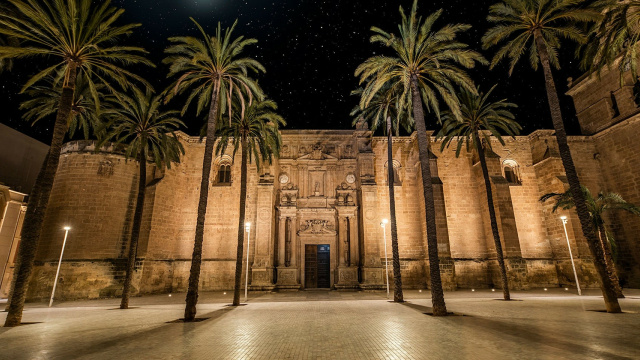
[(316, 212)]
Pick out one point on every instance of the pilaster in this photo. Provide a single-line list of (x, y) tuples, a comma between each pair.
[(262, 267)]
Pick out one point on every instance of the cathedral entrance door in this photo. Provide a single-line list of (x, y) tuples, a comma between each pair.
[(317, 267)]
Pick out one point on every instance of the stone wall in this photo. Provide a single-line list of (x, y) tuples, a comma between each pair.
[(615, 151), (94, 193)]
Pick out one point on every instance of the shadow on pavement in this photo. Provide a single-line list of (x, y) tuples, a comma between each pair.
[(166, 331), (530, 335)]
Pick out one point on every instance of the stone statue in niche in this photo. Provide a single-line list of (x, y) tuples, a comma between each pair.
[(106, 168), (317, 189), (317, 152), (348, 150)]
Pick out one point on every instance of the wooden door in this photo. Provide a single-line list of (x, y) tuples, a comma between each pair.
[(311, 266)]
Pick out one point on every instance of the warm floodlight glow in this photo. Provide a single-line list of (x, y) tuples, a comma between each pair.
[(385, 221), (573, 265), (247, 227), (55, 281)]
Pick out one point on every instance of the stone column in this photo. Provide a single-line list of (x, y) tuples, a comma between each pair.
[(342, 235), (282, 231), (347, 269), (347, 242), (353, 227), (287, 242), (288, 274)]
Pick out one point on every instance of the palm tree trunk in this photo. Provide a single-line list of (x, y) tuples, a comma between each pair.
[(437, 294), (38, 202), (196, 258), (608, 258), (492, 216), (135, 231), (243, 202), (397, 275), (610, 298)]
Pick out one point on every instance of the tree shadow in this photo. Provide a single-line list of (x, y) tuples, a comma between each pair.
[(541, 336), (426, 310), (167, 331)]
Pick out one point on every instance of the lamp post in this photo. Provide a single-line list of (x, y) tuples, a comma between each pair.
[(566, 234), (247, 228), (55, 281), (383, 224)]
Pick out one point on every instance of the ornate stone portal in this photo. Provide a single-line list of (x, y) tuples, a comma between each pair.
[(318, 206)]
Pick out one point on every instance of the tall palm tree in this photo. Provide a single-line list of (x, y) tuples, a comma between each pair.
[(85, 112), (538, 26), (427, 63), (148, 135), (597, 206), (615, 36), (482, 118), (254, 131), (384, 111), (6, 64), (77, 36), (211, 70)]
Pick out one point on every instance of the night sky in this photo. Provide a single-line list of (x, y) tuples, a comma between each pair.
[(311, 49)]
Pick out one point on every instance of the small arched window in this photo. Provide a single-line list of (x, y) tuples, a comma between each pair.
[(224, 174), (511, 172)]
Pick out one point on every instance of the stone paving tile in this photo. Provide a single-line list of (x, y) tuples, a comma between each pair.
[(331, 325)]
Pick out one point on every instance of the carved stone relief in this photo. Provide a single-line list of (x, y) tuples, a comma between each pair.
[(316, 227), (106, 168)]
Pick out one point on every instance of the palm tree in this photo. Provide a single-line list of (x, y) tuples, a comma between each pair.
[(428, 63), (254, 131), (84, 114), (78, 36), (6, 64), (597, 206), (211, 70), (538, 26), (383, 111), (482, 118), (614, 37), (147, 134)]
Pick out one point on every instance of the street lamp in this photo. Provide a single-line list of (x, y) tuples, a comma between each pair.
[(55, 281), (247, 228), (383, 224), (566, 234)]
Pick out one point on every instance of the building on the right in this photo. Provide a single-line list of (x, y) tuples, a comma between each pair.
[(608, 109)]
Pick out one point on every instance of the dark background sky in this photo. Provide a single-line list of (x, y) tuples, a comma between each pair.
[(310, 49)]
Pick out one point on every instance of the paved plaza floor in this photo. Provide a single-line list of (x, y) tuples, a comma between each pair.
[(550, 324)]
